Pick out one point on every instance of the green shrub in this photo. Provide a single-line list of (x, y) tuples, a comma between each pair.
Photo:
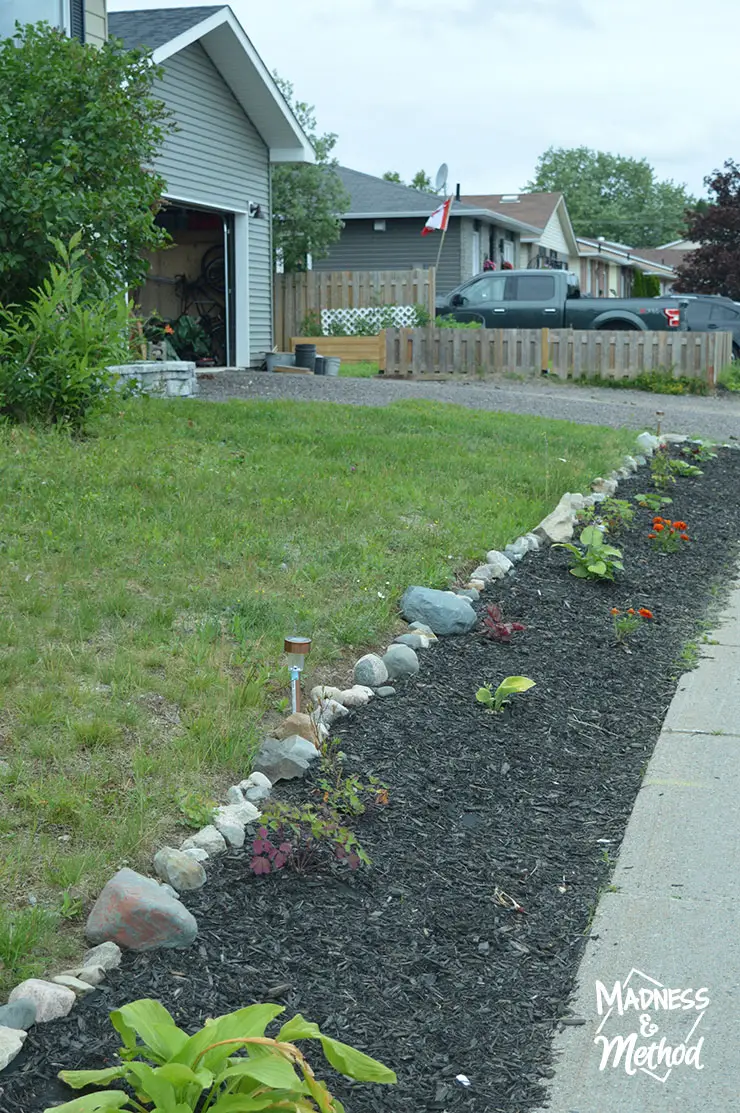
[(54, 351), (657, 382), (451, 322), (729, 377)]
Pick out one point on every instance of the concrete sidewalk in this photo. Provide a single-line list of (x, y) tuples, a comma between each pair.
[(673, 919)]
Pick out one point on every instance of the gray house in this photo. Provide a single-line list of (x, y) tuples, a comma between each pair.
[(232, 123), (382, 231)]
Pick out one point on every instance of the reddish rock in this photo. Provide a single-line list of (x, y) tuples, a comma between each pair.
[(137, 913)]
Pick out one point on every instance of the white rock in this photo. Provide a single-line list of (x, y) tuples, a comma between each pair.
[(236, 813), (196, 853), (11, 1041), (476, 585), (673, 438), (422, 628), (51, 1001), (93, 975), (640, 461), (647, 443), (498, 563), (532, 541), (235, 795), (105, 955), (631, 463), (208, 839), (328, 712), (357, 696), (558, 525), (484, 572), (232, 832), (79, 987), (256, 788), (604, 486), (321, 692)]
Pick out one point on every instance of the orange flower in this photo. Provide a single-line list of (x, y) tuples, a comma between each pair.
[(614, 610), (657, 519), (659, 527), (680, 525), (631, 610), (645, 613), (169, 330), (652, 536), (685, 537)]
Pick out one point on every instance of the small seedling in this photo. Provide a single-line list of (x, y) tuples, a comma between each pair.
[(660, 469), (197, 810), (495, 628), (699, 452), (627, 623), (682, 467), (495, 701), (651, 501), (613, 514), (71, 906), (597, 560)]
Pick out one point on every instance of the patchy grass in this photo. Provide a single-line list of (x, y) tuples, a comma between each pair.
[(361, 370), (148, 576), (729, 377), (656, 382)]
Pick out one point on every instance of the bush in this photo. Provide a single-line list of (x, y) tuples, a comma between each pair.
[(54, 351), (729, 377), (451, 322)]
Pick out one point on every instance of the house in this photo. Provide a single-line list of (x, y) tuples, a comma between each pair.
[(231, 123), (81, 19), (553, 246), (383, 225), (671, 254), (606, 268)]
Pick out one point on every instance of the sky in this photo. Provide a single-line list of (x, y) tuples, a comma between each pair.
[(487, 85)]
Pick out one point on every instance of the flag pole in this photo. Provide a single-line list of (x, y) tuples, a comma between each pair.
[(444, 233)]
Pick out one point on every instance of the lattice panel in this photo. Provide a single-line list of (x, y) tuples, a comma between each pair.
[(396, 316)]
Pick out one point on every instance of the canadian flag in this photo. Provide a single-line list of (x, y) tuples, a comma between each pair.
[(439, 219)]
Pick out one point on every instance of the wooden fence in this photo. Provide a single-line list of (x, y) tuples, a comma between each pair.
[(565, 353), (350, 349), (297, 295)]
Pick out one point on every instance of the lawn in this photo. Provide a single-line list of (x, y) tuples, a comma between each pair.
[(149, 573), (360, 370)]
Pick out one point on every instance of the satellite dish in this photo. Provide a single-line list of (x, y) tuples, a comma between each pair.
[(440, 182)]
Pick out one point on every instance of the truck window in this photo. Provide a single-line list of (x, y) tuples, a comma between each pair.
[(724, 313), (535, 287), (485, 290)]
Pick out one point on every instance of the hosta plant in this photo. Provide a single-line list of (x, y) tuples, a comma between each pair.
[(495, 701), (228, 1066), (595, 560)]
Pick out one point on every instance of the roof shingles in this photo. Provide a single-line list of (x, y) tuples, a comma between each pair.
[(154, 28)]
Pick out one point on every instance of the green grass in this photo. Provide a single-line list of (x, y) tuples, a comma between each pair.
[(656, 382), (729, 377), (360, 370), (148, 576)]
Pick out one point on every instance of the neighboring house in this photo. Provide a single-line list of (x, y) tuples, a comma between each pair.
[(231, 123), (81, 19), (383, 225), (606, 268), (554, 245), (669, 254)]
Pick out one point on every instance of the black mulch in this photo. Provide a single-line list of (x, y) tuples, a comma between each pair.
[(415, 961)]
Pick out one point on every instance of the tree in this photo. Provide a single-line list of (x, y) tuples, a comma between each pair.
[(307, 199), (393, 176), (77, 127), (422, 181), (615, 197), (714, 267), (645, 285)]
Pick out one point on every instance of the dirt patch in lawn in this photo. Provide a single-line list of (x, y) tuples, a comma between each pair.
[(456, 952)]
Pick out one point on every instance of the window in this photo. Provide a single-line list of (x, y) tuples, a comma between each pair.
[(723, 313), (485, 290), (65, 14), (535, 287)]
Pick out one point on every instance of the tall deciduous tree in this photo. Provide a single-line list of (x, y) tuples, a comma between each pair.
[(420, 180), (714, 267), (307, 200), (393, 176), (608, 195), (77, 127)]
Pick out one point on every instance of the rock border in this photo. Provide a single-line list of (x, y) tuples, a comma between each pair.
[(143, 913)]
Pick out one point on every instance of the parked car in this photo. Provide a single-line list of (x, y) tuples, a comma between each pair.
[(539, 299)]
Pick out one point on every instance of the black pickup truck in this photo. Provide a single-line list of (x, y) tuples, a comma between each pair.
[(542, 299)]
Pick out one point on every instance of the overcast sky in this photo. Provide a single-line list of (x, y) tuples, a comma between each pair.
[(487, 85)]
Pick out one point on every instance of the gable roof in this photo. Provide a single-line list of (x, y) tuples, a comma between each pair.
[(375, 197), (626, 256), (536, 209), (167, 31), (669, 256)]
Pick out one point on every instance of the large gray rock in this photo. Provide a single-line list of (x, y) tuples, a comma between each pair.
[(179, 870), (445, 612), (20, 1014), (558, 525), (499, 563), (517, 550), (401, 662), (135, 912), (285, 759), (51, 1001), (11, 1041), (357, 696), (370, 671), (647, 443), (484, 573), (208, 839)]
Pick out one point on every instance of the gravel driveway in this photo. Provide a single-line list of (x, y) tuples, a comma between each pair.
[(715, 417)]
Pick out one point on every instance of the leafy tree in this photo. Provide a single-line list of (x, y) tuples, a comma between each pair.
[(608, 195), (714, 267), (307, 200), (77, 126), (393, 176), (421, 180), (645, 285)]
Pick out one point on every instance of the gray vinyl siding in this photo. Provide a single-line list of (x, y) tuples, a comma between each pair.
[(217, 157), (400, 247)]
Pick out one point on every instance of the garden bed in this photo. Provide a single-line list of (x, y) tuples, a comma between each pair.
[(422, 961)]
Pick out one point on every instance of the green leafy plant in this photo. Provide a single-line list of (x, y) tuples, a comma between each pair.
[(348, 795), (651, 501), (305, 839), (667, 536), (197, 810), (228, 1066), (626, 623), (190, 339), (311, 324), (615, 514), (495, 701), (422, 316), (699, 452), (729, 377), (54, 351), (448, 321), (71, 906), (595, 560), (660, 469), (684, 468)]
